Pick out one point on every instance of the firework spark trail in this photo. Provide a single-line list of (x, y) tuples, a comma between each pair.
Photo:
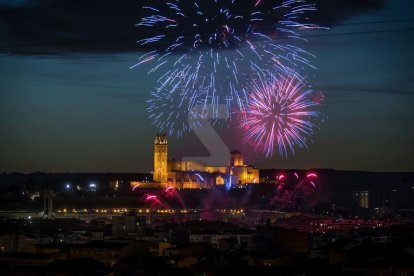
[(279, 114), (154, 202), (170, 193), (291, 193), (172, 105), (217, 42), (136, 186), (311, 175)]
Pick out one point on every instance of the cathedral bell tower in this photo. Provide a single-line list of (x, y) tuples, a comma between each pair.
[(160, 158)]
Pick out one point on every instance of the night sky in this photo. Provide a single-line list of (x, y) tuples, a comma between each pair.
[(70, 103)]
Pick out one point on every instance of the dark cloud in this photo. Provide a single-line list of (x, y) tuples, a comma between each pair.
[(333, 12), (358, 89), (16, 3), (62, 26)]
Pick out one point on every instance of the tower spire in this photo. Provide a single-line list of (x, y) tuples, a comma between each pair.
[(160, 158)]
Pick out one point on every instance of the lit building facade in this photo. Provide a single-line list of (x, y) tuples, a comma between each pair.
[(236, 159), (160, 158), (196, 175), (361, 198)]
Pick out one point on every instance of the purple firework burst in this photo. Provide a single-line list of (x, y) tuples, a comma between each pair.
[(220, 40), (280, 114)]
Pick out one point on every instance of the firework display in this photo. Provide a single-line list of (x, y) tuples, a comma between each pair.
[(170, 193), (293, 191), (154, 202), (206, 52), (172, 107), (218, 41), (280, 114)]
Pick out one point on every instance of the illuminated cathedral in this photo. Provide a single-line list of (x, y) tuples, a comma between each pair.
[(195, 174)]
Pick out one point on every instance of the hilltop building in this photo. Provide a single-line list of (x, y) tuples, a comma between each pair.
[(160, 159), (195, 174)]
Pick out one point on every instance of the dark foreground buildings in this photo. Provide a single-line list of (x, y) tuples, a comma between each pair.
[(354, 223), (155, 244)]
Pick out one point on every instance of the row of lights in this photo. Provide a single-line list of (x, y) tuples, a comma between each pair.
[(166, 211), (232, 211), (92, 187), (93, 210)]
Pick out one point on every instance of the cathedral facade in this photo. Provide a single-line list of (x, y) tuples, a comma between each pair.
[(198, 175)]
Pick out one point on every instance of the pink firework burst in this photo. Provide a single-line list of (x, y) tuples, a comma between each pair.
[(171, 193), (154, 202), (279, 114)]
